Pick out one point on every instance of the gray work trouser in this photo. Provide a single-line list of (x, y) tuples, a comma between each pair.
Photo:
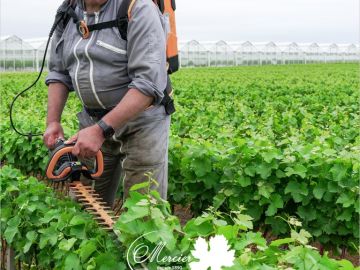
[(139, 147)]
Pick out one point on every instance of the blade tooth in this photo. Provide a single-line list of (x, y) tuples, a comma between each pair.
[(105, 224), (91, 209), (86, 197), (101, 202), (94, 213), (86, 204), (98, 220), (108, 226), (104, 212), (82, 199), (79, 195)]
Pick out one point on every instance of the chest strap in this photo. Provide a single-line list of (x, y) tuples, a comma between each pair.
[(121, 22)]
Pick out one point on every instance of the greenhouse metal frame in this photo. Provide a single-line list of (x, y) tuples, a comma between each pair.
[(17, 54)]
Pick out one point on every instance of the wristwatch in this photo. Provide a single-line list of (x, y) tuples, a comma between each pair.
[(108, 131)]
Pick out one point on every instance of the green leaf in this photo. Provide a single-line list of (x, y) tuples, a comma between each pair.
[(134, 213), (77, 220), (67, 244), (339, 171), (244, 181), (203, 229), (272, 154), (31, 236), (250, 238), (298, 169), (139, 186), (265, 189), (346, 199), (264, 169), (346, 215), (10, 233), (230, 232), (48, 235), (307, 213), (14, 222), (280, 242), (250, 171), (244, 221), (107, 262), (319, 190), (302, 237), (72, 262), (219, 222), (276, 202), (27, 246), (86, 250), (297, 190), (201, 166), (346, 265)]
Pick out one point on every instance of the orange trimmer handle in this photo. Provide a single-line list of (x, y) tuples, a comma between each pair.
[(67, 149), (98, 171), (54, 159)]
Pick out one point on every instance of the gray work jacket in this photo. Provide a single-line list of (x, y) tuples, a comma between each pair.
[(102, 68)]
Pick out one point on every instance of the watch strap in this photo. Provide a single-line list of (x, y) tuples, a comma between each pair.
[(108, 131)]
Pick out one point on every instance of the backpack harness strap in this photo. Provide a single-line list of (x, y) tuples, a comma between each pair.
[(123, 17), (121, 22)]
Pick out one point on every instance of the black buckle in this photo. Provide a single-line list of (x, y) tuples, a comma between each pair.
[(169, 107)]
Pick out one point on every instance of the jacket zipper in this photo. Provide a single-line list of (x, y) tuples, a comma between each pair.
[(78, 61), (110, 47), (92, 64)]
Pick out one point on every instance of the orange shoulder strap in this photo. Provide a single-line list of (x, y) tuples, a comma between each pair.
[(131, 5)]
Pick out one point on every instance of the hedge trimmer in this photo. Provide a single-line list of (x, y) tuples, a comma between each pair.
[(64, 171)]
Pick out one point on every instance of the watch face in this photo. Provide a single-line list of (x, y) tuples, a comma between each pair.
[(109, 132)]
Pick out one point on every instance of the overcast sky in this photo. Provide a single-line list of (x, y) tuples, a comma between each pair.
[(320, 21)]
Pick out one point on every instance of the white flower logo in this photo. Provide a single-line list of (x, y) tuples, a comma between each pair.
[(215, 255)]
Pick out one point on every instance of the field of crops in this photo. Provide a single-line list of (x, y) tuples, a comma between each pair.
[(256, 152)]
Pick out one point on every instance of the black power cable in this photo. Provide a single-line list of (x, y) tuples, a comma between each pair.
[(59, 17)]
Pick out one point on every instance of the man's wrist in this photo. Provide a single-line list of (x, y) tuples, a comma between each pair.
[(52, 122), (99, 130)]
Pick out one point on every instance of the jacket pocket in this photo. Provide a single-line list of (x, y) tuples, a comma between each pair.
[(111, 47)]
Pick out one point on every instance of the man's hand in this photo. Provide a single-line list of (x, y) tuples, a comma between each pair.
[(88, 142), (53, 132)]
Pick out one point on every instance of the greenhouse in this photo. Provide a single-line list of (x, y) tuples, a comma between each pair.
[(246, 54), (17, 54)]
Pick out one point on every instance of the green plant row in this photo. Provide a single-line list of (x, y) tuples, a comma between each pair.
[(280, 140), (47, 232), (51, 231)]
